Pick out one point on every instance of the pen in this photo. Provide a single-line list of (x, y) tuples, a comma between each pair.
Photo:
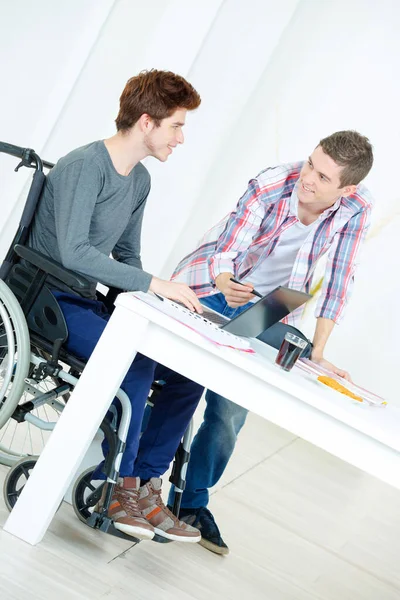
[(240, 283)]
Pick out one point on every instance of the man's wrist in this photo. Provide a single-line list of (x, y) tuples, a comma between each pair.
[(154, 284), (221, 279), (317, 353)]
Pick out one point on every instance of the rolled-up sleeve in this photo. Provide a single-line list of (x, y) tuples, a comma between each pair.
[(342, 263)]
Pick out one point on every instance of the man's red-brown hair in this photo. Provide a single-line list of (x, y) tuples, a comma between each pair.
[(155, 93)]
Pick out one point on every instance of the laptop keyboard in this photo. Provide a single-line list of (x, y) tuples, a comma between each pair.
[(210, 315), (214, 317)]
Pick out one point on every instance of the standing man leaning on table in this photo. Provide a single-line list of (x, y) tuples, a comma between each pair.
[(287, 219)]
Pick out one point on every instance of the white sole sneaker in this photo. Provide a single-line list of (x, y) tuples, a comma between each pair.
[(177, 538), (137, 532)]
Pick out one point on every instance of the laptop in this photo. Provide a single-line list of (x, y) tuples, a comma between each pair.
[(262, 314)]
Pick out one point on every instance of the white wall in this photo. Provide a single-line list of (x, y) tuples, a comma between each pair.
[(44, 46), (274, 77)]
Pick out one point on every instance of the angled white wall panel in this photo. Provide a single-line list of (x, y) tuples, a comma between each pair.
[(44, 46)]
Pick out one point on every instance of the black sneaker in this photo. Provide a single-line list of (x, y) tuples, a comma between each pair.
[(202, 519)]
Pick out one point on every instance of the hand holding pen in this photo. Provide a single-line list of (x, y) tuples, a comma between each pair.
[(236, 293), (253, 291)]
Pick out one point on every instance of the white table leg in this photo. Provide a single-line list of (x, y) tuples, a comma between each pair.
[(76, 427)]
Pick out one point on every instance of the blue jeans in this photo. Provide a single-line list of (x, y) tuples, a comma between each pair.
[(215, 440), (86, 320)]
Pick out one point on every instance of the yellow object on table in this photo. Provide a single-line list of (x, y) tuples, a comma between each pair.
[(329, 381)]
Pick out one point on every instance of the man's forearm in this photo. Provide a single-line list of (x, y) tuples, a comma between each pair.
[(322, 332)]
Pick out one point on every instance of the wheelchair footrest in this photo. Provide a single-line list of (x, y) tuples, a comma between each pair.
[(105, 524), (160, 539), (96, 521)]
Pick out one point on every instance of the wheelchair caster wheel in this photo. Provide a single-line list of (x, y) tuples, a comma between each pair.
[(85, 495), (16, 478)]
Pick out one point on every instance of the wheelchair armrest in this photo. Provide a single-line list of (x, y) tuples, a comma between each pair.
[(75, 281)]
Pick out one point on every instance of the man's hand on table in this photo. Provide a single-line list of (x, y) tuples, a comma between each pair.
[(235, 294), (320, 360), (176, 291)]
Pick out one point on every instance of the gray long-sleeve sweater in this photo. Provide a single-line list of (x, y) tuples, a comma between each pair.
[(88, 211)]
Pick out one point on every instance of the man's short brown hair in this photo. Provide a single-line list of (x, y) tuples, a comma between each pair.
[(353, 152), (155, 93)]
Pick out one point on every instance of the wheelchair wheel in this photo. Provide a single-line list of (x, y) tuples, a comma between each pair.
[(16, 478), (22, 439), (14, 352), (85, 494)]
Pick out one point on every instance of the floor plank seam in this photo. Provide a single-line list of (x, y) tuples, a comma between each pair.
[(121, 554), (256, 465)]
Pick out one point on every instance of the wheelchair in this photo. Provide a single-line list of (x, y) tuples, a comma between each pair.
[(38, 374)]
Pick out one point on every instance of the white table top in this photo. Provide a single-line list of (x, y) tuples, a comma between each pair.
[(379, 423)]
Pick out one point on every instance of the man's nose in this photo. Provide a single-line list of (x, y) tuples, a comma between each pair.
[(308, 178), (180, 138), (308, 181)]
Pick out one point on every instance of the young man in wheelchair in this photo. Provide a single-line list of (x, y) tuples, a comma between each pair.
[(92, 206)]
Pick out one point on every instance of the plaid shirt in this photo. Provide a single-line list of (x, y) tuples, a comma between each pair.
[(247, 236)]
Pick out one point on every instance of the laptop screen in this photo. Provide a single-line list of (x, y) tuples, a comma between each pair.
[(266, 312)]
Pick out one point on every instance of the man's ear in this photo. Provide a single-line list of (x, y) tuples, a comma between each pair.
[(349, 190), (146, 123)]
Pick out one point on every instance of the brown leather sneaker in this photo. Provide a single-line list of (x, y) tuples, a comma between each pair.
[(124, 509), (161, 518)]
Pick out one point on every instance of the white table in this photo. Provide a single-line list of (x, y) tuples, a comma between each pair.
[(366, 437)]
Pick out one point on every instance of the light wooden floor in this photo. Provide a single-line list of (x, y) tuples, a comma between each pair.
[(301, 525)]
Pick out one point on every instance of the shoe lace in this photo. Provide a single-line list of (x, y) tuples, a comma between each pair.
[(129, 501), (160, 503)]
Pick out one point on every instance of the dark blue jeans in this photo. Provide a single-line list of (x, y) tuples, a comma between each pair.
[(215, 440), (86, 320)]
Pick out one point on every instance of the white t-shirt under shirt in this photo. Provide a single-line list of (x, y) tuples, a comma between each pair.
[(277, 268)]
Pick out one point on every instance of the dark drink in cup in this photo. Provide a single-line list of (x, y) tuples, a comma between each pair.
[(290, 350)]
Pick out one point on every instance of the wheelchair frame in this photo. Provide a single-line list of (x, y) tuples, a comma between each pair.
[(34, 327)]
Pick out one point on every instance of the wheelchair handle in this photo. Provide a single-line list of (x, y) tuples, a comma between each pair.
[(16, 151), (28, 157)]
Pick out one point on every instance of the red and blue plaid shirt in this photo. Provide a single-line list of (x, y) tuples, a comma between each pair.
[(247, 236)]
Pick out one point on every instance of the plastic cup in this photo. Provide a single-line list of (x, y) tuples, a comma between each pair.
[(290, 350)]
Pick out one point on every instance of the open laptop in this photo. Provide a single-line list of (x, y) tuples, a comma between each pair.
[(262, 314)]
